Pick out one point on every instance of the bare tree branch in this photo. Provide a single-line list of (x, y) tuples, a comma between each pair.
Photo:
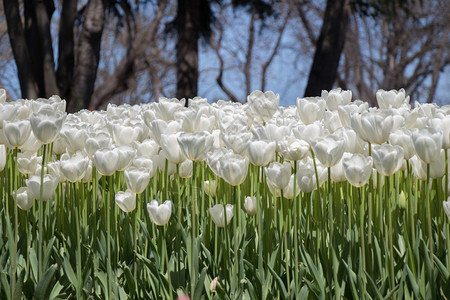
[(216, 48), (266, 65), (248, 57), (117, 82)]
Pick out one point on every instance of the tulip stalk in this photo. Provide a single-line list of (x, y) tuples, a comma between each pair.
[(41, 228), (296, 221)]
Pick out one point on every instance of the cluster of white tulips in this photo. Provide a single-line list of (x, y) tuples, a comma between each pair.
[(329, 147)]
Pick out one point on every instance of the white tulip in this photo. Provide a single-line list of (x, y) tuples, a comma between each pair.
[(250, 205), (126, 200), (159, 214), (218, 213)]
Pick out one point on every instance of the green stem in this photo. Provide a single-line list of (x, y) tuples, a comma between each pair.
[(428, 209), (108, 232), (296, 220), (390, 242), (41, 228), (77, 221)]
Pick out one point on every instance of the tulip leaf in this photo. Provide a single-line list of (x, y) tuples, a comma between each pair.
[(43, 287), (200, 285)]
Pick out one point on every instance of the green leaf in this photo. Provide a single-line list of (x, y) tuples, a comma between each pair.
[(19, 285), (56, 291), (43, 287), (200, 285), (279, 282), (130, 281), (69, 272)]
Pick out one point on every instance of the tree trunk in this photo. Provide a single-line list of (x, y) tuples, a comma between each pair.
[(66, 47), (34, 45), (329, 48), (43, 13), (187, 48), (88, 55), (20, 50)]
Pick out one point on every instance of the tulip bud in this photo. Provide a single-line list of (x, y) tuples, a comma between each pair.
[(210, 187), (213, 284), (159, 214), (218, 213), (126, 200), (446, 205), (428, 144), (34, 186), (23, 198), (250, 205)]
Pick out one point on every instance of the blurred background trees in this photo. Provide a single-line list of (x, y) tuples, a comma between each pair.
[(91, 52)]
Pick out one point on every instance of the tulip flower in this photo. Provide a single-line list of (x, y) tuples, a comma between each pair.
[(161, 160), (260, 153), (446, 205), (357, 169), (387, 158), (332, 121), (427, 143), (233, 168), (49, 186), (306, 175), (310, 109), (97, 141), (159, 127), (46, 124), (437, 167), (171, 148), (278, 174), (27, 162), (194, 146), (186, 169), (31, 144), (74, 137), (210, 187), (262, 106), (137, 179), (288, 191), (310, 132), (250, 205), (337, 171), (106, 161), (374, 126), (147, 148), (353, 143), (166, 107), (329, 149), (237, 142), (213, 158), (336, 97), (392, 98), (346, 111), (23, 198), (8, 112), (159, 214), (402, 137), (126, 157), (293, 149), (442, 124), (190, 120), (218, 213), (127, 134), (270, 132), (2, 157), (16, 133), (126, 200), (74, 167)]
